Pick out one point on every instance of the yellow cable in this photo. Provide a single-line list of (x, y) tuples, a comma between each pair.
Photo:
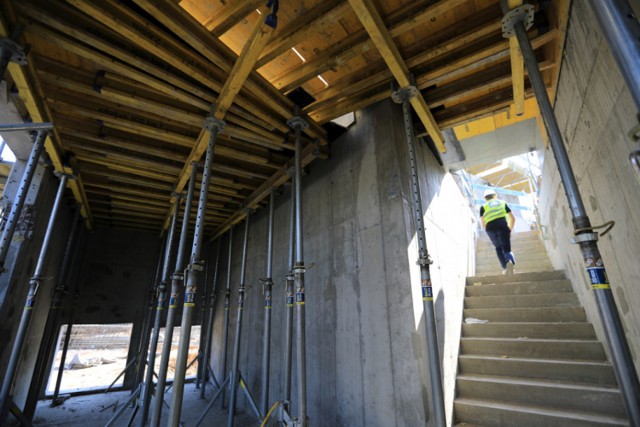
[(266, 418)]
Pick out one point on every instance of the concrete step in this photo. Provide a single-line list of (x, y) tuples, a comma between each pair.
[(491, 413), (549, 286), (492, 261), (564, 299), (543, 348), (555, 395), (538, 314), (545, 330), (575, 371), (533, 251), (516, 278), (494, 267)]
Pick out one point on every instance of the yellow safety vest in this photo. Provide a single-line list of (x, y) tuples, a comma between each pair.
[(493, 210)]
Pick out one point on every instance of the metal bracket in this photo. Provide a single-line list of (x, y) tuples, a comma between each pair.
[(424, 259), (316, 147), (297, 122), (211, 123), (522, 14), (16, 52), (584, 237), (405, 94)]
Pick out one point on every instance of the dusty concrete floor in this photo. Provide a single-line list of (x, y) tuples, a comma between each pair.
[(97, 409)]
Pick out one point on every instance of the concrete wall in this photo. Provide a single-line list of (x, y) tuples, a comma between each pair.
[(20, 264), (366, 351), (595, 111)]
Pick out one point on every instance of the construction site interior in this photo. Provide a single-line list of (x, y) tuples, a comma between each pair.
[(267, 212)]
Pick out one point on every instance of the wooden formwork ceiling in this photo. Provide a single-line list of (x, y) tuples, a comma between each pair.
[(128, 85)]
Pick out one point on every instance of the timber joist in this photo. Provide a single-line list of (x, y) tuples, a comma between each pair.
[(129, 85)]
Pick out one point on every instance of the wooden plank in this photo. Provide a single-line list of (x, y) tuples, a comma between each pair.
[(375, 27), (357, 44), (230, 15), (26, 92), (517, 67), (303, 27)]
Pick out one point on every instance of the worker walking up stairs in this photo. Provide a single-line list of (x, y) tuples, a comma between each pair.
[(528, 356)]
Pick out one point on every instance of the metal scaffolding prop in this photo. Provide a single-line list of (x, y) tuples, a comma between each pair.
[(403, 96), (6, 400), (268, 303), (281, 408), (49, 338), (147, 389), (297, 123), (227, 304), (21, 194), (194, 271), (515, 24), (144, 388), (176, 280), (621, 28), (235, 376), (207, 372)]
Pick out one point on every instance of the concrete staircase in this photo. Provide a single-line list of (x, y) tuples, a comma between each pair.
[(526, 246), (536, 361)]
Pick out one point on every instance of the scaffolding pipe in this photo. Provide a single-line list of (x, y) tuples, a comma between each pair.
[(404, 96), (147, 389), (176, 280), (297, 123), (30, 127), (586, 238), (227, 303), (34, 284), (235, 372), (21, 195), (212, 307), (621, 28), (49, 338), (288, 323), (194, 270), (268, 288)]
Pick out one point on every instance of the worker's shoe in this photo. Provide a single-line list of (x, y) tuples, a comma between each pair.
[(511, 258), (509, 269)]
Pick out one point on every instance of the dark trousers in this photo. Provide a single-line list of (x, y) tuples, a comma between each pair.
[(501, 238)]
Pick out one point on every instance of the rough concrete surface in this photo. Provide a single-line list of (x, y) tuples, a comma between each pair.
[(595, 111)]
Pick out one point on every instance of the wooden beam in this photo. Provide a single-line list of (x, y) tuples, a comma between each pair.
[(256, 88), (517, 67), (27, 86), (373, 24), (230, 14), (238, 75)]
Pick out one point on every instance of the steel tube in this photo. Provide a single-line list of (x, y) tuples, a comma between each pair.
[(21, 195), (298, 277), (621, 28), (612, 325), (35, 282), (212, 307), (288, 337), (435, 374), (268, 287), (235, 372), (227, 303), (26, 127), (176, 280), (162, 294), (192, 281), (49, 338)]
